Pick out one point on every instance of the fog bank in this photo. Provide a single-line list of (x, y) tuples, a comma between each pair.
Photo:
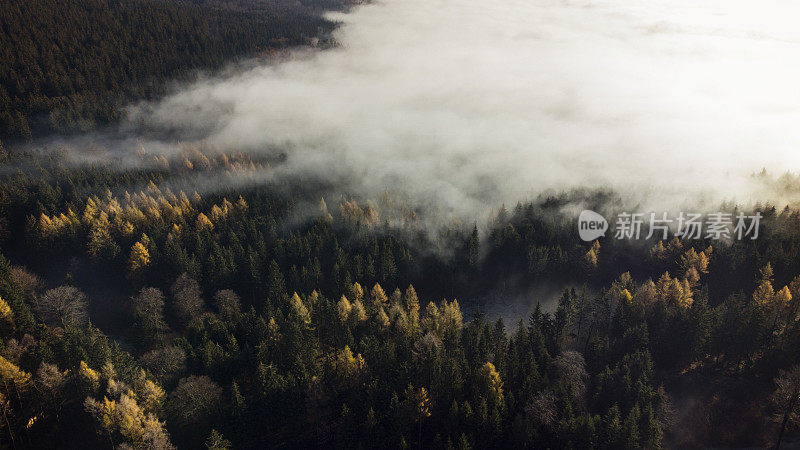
[(469, 103)]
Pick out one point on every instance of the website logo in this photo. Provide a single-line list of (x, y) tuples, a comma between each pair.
[(591, 225)]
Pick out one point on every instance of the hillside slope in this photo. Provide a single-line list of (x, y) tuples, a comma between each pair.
[(66, 65)]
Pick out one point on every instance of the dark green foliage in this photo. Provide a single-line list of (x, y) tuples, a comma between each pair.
[(70, 66), (255, 347)]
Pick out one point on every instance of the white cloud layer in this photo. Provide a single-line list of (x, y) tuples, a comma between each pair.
[(473, 102)]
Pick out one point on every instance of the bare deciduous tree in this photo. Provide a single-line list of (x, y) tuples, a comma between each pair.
[(228, 303), (570, 368), (194, 401), (64, 305), (148, 306), (164, 363), (32, 285), (541, 409)]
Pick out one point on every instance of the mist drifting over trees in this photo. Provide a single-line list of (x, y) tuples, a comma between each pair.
[(325, 224)]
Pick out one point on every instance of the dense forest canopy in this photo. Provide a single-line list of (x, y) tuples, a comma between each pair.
[(202, 296), (217, 319), (70, 66)]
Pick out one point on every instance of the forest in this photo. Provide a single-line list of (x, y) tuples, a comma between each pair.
[(139, 311), (192, 295), (82, 61)]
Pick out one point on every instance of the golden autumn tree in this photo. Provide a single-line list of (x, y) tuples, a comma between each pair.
[(12, 375), (672, 291), (139, 258), (348, 367), (450, 320), (783, 297), (343, 308), (396, 298), (378, 296), (241, 204), (174, 232), (323, 209), (764, 293), (418, 405), (356, 292), (101, 244), (359, 313), (658, 252), (591, 256), (299, 309), (646, 294), (151, 395), (620, 290), (273, 331), (127, 413), (89, 376), (381, 318), (423, 403), (6, 314), (411, 301), (45, 225), (203, 223), (491, 383), (430, 320), (694, 265), (14, 382), (217, 213), (126, 420)]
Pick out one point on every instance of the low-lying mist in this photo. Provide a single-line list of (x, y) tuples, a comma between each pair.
[(467, 103)]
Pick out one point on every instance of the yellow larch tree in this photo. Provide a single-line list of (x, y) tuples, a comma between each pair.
[(6, 314), (203, 222), (378, 296), (300, 310), (343, 308), (139, 258)]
